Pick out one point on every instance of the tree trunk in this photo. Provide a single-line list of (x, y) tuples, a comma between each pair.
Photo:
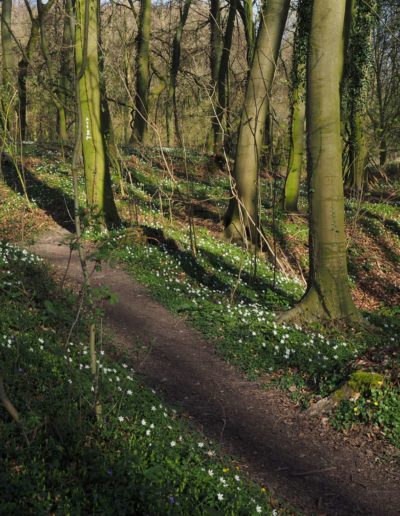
[(171, 108), (6, 43), (328, 294), (99, 194), (140, 125), (54, 86), (296, 152), (23, 67), (357, 153), (249, 29), (242, 219), (222, 79), (7, 103), (215, 60), (298, 107)]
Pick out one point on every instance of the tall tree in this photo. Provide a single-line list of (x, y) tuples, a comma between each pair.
[(242, 218), (54, 86), (6, 43), (99, 194), (248, 22), (384, 106), (216, 44), (23, 67), (298, 107), (140, 124), (360, 17), (221, 106), (328, 293), (171, 108), (7, 103)]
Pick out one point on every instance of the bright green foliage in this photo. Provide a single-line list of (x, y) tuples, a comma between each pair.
[(377, 406)]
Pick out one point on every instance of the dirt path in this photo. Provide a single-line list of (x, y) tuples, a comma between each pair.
[(303, 461)]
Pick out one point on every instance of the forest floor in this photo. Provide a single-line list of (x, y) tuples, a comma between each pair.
[(242, 380), (301, 458)]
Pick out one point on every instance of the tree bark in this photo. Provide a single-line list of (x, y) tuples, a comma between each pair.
[(99, 196), (222, 79), (23, 67), (328, 293), (296, 151), (216, 44), (6, 43), (54, 86), (140, 125), (298, 106), (171, 108), (242, 219)]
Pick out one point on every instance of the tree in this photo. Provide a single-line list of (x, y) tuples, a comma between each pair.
[(171, 108), (141, 113), (54, 86), (298, 107), (328, 293), (221, 106), (359, 21), (384, 107), (242, 219), (246, 13), (99, 194), (7, 102), (6, 43)]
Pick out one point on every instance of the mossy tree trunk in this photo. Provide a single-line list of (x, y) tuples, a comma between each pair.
[(99, 194), (249, 31), (296, 151), (171, 108), (141, 112), (242, 218), (328, 293), (360, 17), (7, 104), (7, 43), (298, 107)]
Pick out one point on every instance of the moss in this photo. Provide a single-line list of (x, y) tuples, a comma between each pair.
[(364, 381)]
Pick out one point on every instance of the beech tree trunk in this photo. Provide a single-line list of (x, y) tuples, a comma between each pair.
[(53, 81), (298, 107), (6, 43), (242, 219), (328, 293), (23, 67), (140, 125), (296, 152), (99, 194), (221, 106), (216, 44), (171, 108)]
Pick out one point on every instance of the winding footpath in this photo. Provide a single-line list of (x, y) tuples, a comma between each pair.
[(302, 460)]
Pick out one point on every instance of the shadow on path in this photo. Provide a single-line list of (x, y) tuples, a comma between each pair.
[(309, 465)]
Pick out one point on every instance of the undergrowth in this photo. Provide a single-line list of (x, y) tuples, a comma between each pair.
[(233, 295), (141, 459)]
